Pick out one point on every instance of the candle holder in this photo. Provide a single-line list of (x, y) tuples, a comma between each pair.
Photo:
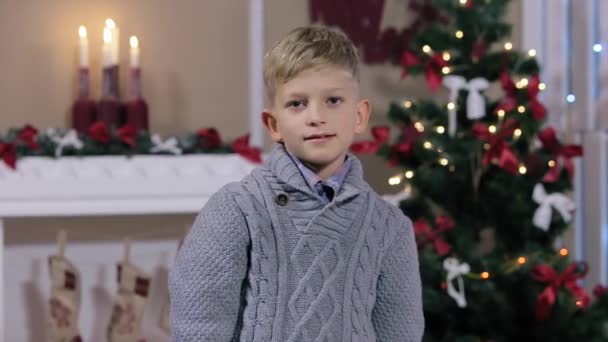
[(109, 108), (136, 106), (83, 109)]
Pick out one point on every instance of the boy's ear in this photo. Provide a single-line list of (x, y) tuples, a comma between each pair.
[(270, 121), (364, 110)]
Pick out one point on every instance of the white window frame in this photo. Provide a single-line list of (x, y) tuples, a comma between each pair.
[(564, 35)]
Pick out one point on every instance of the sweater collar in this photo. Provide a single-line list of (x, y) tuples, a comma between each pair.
[(284, 168)]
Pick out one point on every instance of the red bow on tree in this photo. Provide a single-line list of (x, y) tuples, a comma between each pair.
[(209, 138), (99, 132), (241, 146), (8, 154), (539, 112), (538, 109), (380, 135), (545, 273), (600, 290), (425, 235), (410, 137), (432, 68), (499, 150), (27, 135), (559, 153), (126, 134)]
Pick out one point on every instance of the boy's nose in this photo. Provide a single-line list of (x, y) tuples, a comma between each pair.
[(316, 117)]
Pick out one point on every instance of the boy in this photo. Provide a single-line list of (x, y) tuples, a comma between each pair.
[(302, 249)]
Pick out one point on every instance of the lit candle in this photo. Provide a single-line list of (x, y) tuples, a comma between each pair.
[(134, 42), (83, 47), (107, 47), (115, 32)]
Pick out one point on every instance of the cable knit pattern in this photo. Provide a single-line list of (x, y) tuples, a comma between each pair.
[(257, 269)]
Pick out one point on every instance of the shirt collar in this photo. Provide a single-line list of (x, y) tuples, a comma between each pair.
[(335, 181)]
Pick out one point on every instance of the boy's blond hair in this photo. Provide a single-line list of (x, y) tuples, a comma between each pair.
[(304, 48)]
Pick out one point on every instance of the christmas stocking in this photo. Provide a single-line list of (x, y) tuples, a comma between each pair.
[(64, 305), (127, 313), (165, 319)]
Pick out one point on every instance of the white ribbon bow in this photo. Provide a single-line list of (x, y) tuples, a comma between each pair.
[(70, 139), (476, 106), (395, 199), (455, 270), (170, 145), (560, 202)]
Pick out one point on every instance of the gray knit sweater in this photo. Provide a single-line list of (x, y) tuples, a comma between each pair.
[(266, 260)]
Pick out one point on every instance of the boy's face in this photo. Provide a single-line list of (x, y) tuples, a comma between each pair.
[(316, 114)]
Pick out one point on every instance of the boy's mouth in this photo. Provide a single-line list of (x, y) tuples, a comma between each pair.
[(319, 137)]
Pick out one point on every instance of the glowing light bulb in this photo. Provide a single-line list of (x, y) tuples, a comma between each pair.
[(517, 133), (522, 169), (396, 180)]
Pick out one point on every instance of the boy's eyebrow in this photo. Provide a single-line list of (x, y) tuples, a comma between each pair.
[(329, 90)]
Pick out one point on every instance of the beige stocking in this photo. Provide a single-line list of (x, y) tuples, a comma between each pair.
[(127, 313), (64, 305)]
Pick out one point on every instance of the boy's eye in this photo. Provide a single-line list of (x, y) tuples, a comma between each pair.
[(334, 100), (295, 104)]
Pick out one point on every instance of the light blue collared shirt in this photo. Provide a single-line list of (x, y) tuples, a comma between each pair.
[(325, 189)]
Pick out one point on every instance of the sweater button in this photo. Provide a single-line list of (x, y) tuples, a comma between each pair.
[(282, 199)]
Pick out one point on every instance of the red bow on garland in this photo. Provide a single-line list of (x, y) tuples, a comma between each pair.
[(424, 234), (545, 273), (241, 146), (8, 154), (27, 135), (558, 152), (432, 67), (380, 135), (539, 112), (209, 138), (127, 134), (99, 132), (499, 149)]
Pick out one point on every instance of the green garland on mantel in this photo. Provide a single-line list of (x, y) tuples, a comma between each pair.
[(100, 140)]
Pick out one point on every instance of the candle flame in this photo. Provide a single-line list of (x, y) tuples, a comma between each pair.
[(82, 31), (110, 23), (107, 35), (134, 42)]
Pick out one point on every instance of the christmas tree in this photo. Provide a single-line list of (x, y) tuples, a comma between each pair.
[(487, 185)]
